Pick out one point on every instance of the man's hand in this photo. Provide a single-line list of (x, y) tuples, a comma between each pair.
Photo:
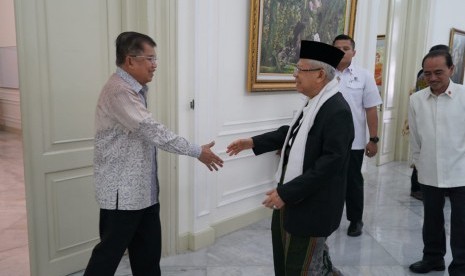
[(273, 200), (371, 149), (239, 145), (211, 160)]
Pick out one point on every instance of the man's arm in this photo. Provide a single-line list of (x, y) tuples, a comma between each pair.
[(372, 121), (414, 139), (266, 142), (130, 112)]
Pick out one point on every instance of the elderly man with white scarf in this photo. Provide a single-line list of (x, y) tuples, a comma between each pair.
[(311, 178)]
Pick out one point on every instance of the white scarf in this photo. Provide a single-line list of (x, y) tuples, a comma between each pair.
[(296, 155)]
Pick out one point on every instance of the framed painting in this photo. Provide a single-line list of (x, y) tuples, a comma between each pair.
[(457, 50), (379, 60), (276, 28)]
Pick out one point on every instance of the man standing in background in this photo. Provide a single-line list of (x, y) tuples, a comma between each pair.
[(437, 142), (415, 187), (358, 87)]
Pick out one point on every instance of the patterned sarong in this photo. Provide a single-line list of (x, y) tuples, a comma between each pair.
[(299, 256)]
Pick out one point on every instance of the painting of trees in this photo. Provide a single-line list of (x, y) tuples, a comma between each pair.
[(287, 22)]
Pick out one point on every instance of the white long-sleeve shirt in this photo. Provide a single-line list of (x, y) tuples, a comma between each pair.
[(437, 136)]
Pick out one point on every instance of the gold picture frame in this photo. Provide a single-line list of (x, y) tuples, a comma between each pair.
[(457, 50), (274, 47), (379, 59)]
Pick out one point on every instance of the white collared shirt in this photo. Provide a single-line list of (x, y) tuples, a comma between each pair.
[(437, 136), (359, 89)]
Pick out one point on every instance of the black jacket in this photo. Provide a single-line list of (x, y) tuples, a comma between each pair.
[(315, 199)]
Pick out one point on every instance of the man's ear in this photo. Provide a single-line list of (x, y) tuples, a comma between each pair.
[(321, 75), (129, 61)]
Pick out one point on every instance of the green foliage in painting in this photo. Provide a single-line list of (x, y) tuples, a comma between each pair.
[(286, 22)]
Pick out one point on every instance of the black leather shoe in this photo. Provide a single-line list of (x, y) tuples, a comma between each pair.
[(355, 229), (425, 267)]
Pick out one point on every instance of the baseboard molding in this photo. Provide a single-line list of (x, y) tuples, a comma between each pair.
[(207, 237), (10, 113), (10, 129), (202, 239)]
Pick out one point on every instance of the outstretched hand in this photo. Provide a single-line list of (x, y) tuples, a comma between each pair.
[(210, 159), (239, 145)]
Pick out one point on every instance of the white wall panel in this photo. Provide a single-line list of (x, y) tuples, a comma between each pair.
[(214, 45), (68, 191), (76, 65), (64, 56), (7, 23)]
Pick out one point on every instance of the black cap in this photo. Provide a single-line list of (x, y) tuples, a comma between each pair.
[(320, 51)]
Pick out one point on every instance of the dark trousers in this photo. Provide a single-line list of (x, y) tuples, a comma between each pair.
[(414, 184), (354, 191), (139, 231), (434, 234)]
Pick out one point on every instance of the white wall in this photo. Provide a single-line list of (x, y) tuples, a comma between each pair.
[(7, 23), (445, 14), (365, 33), (212, 68), (213, 47), (10, 116), (382, 17)]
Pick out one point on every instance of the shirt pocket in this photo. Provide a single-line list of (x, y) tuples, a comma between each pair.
[(356, 85)]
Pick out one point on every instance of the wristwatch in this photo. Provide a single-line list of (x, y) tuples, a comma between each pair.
[(374, 139)]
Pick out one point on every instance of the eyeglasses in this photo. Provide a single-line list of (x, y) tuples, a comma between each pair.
[(152, 59), (297, 70)]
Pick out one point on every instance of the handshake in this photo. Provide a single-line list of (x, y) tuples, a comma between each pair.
[(213, 162)]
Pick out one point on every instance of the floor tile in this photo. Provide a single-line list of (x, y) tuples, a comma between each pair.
[(390, 242)]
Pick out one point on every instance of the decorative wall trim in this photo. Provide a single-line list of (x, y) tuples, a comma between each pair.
[(248, 122), (10, 110), (207, 237), (243, 193), (250, 126), (248, 130), (229, 225)]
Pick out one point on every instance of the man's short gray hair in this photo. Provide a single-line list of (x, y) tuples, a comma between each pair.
[(329, 70)]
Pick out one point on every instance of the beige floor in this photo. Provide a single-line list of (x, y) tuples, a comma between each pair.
[(14, 255)]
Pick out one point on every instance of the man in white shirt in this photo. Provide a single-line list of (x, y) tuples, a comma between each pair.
[(437, 141), (359, 89)]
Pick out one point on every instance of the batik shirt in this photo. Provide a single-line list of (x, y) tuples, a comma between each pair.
[(126, 141)]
